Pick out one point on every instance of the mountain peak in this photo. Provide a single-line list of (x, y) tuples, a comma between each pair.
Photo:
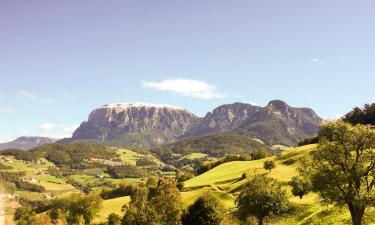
[(140, 105), (277, 104)]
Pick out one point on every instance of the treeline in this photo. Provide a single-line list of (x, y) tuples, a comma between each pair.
[(74, 156), (213, 145), (126, 171)]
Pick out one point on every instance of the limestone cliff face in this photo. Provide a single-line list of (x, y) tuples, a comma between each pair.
[(151, 125), (225, 118), (147, 125)]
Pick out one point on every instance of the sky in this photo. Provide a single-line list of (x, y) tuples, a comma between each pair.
[(59, 60)]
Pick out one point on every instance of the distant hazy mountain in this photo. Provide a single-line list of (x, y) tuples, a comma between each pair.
[(26, 143), (148, 125)]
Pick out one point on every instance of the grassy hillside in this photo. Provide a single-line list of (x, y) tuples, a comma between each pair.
[(213, 145), (224, 181)]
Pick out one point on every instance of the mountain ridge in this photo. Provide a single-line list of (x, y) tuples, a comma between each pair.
[(146, 126)]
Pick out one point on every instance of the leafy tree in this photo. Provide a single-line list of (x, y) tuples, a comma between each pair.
[(139, 211), (166, 200), (269, 165), (152, 182), (345, 174), (259, 153), (114, 219), (261, 197), (300, 186), (206, 210), (159, 206), (76, 208), (365, 115)]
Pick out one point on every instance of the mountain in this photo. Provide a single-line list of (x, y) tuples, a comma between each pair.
[(279, 123), (147, 126), (224, 118), (137, 125), (26, 143)]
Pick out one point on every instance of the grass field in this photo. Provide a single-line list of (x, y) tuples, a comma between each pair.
[(111, 206), (193, 156), (131, 157)]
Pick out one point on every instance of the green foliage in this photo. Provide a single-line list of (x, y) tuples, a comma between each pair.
[(309, 141), (206, 210), (365, 115), (261, 197), (152, 182), (123, 189), (145, 161), (126, 171), (259, 153), (23, 185), (114, 219), (5, 167), (300, 186), (269, 165), (206, 166), (76, 208), (213, 145), (345, 174), (159, 206), (71, 155), (11, 176)]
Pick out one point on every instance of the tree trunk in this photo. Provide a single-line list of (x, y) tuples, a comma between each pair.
[(356, 214), (260, 221), (300, 196)]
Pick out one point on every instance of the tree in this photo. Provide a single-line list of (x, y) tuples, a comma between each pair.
[(114, 219), (300, 186), (259, 153), (269, 165), (166, 200), (261, 197), (156, 206), (76, 208), (346, 169), (206, 210)]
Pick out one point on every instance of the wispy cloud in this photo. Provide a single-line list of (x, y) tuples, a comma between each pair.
[(62, 129), (317, 61), (50, 126), (185, 87), (35, 98)]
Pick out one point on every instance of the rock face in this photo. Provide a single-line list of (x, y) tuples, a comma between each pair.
[(26, 143), (279, 123), (147, 125), (224, 118), (136, 125)]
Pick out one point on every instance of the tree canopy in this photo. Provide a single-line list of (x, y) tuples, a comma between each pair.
[(345, 174)]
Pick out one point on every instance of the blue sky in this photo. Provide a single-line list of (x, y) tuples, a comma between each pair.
[(61, 59)]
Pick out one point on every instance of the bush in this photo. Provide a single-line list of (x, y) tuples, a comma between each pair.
[(259, 153), (206, 210), (123, 189), (269, 165)]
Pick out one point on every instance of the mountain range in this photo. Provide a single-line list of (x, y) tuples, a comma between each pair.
[(146, 126), (26, 143)]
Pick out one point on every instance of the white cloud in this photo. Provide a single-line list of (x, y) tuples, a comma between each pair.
[(191, 88), (317, 61), (24, 131), (50, 126), (36, 98), (57, 130), (70, 129)]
